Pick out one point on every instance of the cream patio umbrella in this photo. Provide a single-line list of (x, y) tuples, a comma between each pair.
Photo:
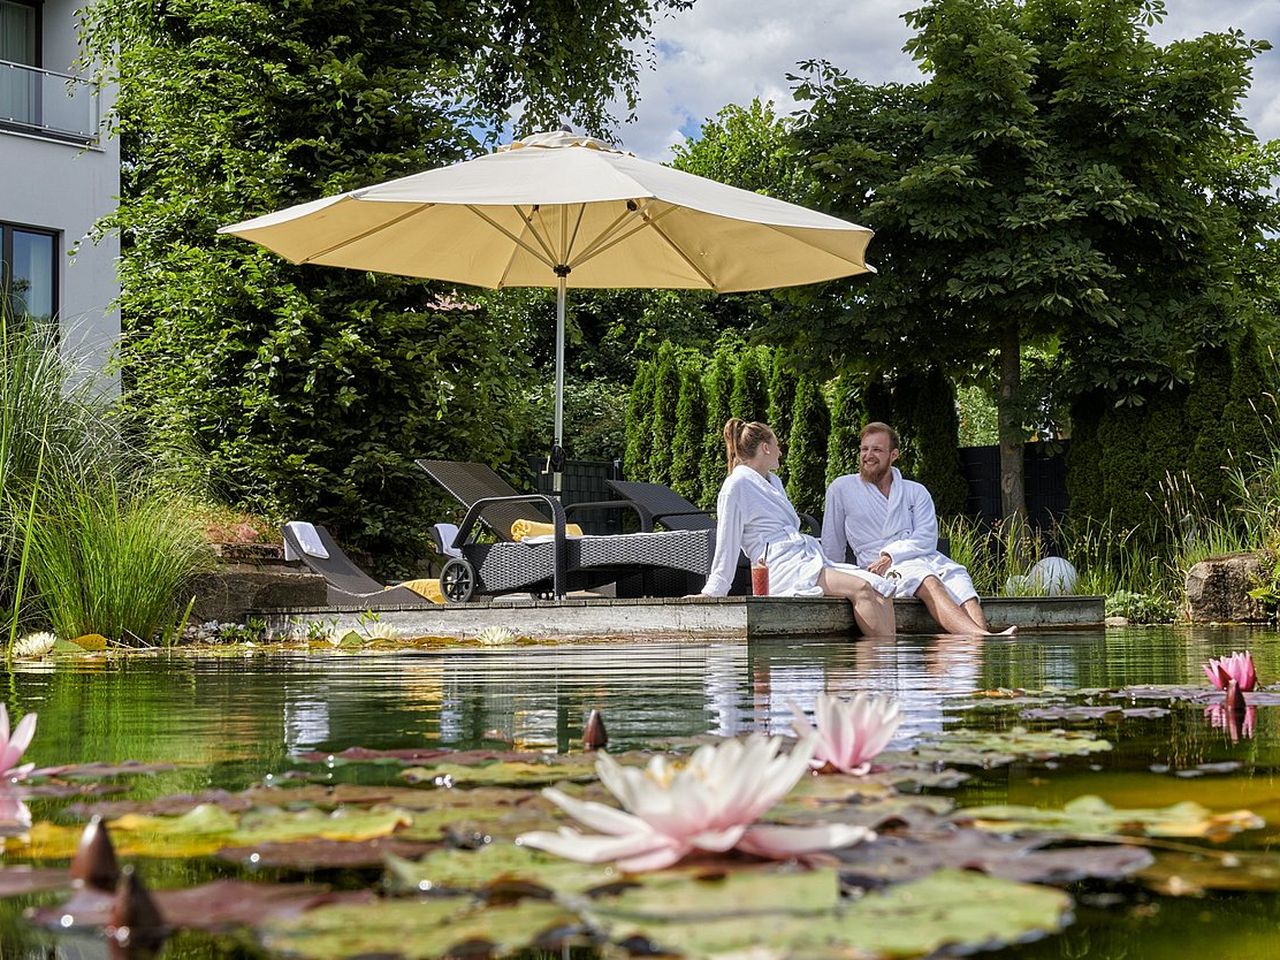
[(557, 209)]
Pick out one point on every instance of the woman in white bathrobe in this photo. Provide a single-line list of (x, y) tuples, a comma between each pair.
[(755, 517)]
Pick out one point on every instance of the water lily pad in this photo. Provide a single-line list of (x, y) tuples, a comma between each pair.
[(422, 929), (208, 828), (946, 909), (1183, 874), (89, 641), (412, 755), (99, 771), (897, 859), (1196, 694), (991, 748), (1086, 712), (497, 864), (507, 772), (326, 854), (1090, 816), (216, 906), (16, 881)]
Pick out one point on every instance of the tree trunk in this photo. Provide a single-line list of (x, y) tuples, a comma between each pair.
[(1013, 495)]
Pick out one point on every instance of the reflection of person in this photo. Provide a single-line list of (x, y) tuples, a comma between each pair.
[(755, 516), (891, 525)]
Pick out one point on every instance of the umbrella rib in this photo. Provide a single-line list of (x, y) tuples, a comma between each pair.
[(509, 235), (680, 253), (528, 222), (582, 209), (423, 208), (604, 235)]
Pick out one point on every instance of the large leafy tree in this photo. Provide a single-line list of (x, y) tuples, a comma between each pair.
[(309, 390), (1056, 179)]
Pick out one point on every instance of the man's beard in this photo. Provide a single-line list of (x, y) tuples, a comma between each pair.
[(877, 477)]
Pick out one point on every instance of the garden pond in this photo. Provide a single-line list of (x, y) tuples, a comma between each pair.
[(241, 756)]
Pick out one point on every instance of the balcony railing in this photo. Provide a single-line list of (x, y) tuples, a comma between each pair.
[(48, 103)]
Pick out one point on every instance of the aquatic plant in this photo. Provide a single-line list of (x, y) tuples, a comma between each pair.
[(494, 636), (12, 747), (1235, 723), (34, 645), (1238, 667), (849, 732), (709, 803), (380, 631)]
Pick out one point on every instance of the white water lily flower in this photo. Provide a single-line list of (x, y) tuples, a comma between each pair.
[(709, 803), (495, 636), (34, 645), (381, 631), (850, 732)]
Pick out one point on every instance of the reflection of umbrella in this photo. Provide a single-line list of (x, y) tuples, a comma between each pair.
[(570, 211)]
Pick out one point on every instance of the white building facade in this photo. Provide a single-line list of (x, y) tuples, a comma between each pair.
[(59, 173)]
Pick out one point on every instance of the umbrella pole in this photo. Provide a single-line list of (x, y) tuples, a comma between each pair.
[(557, 449)]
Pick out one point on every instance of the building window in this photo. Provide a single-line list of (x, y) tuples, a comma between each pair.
[(28, 272), (20, 88)]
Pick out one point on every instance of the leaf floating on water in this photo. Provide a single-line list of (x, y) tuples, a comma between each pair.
[(1181, 874), (992, 748), (504, 865), (17, 881), (422, 930), (1082, 712), (1194, 693), (99, 771), (950, 908), (507, 773), (326, 854), (896, 859), (1093, 817), (221, 905)]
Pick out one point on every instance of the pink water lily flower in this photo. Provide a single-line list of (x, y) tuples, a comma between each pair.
[(15, 818), (12, 748), (850, 732), (1235, 724), (1237, 667), (710, 802)]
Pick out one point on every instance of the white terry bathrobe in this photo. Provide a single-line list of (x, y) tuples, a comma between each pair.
[(904, 525), (753, 513)]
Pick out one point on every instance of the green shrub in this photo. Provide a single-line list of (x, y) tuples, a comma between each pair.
[(1084, 459), (1210, 433), (666, 400), (1246, 408), (691, 427), (807, 450), (640, 424)]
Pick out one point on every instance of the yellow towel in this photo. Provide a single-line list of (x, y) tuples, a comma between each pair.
[(532, 528), (428, 589)]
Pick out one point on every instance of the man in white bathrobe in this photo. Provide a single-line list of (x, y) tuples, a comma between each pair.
[(892, 527)]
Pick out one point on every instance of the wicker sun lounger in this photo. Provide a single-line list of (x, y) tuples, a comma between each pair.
[(551, 565), (346, 583)]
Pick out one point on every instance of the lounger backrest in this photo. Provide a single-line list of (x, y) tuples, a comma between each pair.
[(469, 482), (337, 569), (671, 510)]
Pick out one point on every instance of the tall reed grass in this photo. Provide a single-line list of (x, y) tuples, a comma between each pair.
[(113, 557)]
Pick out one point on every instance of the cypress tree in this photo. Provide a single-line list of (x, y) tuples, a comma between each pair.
[(1124, 468), (639, 424), (807, 450), (718, 389), (666, 397), (750, 399), (782, 398), (937, 443), (1084, 459), (907, 387), (1208, 427), (1248, 405), (1163, 454), (848, 417), (691, 427)]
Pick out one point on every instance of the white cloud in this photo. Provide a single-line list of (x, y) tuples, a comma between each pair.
[(729, 51)]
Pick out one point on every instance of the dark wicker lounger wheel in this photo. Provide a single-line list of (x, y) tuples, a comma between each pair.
[(457, 580)]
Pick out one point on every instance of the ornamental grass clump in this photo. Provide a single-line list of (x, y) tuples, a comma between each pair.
[(113, 557)]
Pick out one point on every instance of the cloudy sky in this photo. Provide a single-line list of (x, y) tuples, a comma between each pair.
[(729, 51)]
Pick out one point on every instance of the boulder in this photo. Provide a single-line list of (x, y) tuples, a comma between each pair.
[(1218, 590)]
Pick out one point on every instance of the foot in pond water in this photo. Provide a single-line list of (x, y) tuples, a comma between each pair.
[(1009, 631)]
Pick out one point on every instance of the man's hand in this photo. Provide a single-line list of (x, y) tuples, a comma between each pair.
[(881, 566)]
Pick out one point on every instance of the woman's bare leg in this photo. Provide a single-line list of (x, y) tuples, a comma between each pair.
[(873, 613), (949, 615)]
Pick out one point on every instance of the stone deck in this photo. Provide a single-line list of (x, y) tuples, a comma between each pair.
[(746, 618)]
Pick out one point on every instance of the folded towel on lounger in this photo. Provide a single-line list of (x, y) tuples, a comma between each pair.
[(523, 529), (427, 588)]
